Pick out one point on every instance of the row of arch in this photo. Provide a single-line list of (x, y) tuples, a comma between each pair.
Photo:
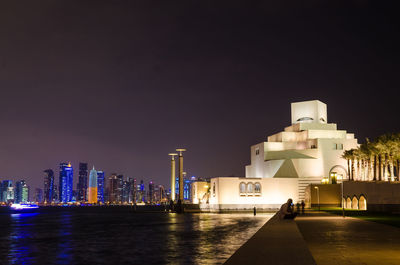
[(249, 188), (355, 203)]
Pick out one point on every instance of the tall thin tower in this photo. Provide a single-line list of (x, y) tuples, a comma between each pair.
[(172, 175), (181, 150), (92, 191)]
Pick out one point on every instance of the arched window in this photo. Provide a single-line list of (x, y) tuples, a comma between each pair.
[(305, 119), (257, 187), (354, 203), (362, 203), (250, 187), (348, 203), (242, 187)]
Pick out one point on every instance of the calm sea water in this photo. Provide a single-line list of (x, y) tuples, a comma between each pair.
[(107, 237)]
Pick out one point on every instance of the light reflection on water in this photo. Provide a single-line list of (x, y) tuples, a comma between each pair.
[(108, 237)]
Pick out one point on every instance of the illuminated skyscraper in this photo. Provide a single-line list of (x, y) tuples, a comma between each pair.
[(38, 195), (8, 191), (125, 191), (132, 190), (151, 192), (100, 186), (120, 188), (92, 192), (66, 181), (82, 182), (48, 186), (187, 185), (113, 188), (21, 192), (1, 192), (140, 192), (56, 194)]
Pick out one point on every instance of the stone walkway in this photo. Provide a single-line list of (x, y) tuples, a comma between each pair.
[(278, 242), (337, 240)]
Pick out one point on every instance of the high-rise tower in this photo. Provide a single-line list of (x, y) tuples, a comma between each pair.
[(82, 182), (48, 186), (100, 186), (66, 181), (21, 192), (113, 188), (92, 192)]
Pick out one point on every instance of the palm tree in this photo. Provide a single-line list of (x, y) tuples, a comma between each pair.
[(348, 155), (381, 145), (375, 160)]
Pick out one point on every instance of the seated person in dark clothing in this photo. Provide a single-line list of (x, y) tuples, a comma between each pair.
[(286, 211)]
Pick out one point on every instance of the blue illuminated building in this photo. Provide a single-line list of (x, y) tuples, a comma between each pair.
[(177, 187), (100, 186), (151, 192), (187, 189), (48, 186), (66, 182)]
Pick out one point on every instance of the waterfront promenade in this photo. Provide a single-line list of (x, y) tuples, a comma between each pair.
[(278, 242), (323, 239), (336, 240)]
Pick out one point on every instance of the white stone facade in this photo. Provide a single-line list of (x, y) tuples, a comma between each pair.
[(305, 152)]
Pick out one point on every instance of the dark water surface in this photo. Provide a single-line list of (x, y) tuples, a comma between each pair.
[(108, 237)]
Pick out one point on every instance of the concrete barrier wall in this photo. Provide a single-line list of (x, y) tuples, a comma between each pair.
[(329, 195)]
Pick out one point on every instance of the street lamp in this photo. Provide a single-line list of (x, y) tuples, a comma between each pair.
[(319, 209)]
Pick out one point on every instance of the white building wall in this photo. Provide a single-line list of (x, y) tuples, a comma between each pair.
[(274, 192)]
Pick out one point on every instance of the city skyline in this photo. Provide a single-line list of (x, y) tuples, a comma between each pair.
[(117, 89)]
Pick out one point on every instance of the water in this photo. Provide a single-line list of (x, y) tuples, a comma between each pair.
[(114, 237)]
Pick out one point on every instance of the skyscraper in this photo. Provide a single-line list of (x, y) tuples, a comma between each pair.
[(132, 190), (39, 195), (56, 194), (187, 184), (100, 186), (82, 182), (151, 192), (92, 192), (141, 192), (8, 191), (48, 186), (1, 192), (66, 181), (120, 188), (125, 191), (21, 192), (113, 188)]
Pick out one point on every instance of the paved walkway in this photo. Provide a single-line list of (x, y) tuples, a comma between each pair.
[(337, 240), (278, 242)]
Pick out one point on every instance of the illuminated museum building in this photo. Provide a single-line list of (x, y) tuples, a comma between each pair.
[(307, 152)]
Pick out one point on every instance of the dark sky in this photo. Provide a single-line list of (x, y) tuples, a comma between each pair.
[(120, 84)]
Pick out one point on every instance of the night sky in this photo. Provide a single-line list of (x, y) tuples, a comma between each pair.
[(120, 84)]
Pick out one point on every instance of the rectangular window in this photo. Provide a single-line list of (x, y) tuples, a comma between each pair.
[(338, 146), (257, 151)]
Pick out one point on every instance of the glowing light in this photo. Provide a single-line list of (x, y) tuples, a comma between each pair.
[(17, 206)]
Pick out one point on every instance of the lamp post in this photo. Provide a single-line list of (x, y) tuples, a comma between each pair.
[(319, 208), (342, 198)]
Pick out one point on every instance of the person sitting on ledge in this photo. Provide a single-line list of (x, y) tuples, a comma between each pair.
[(286, 211)]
